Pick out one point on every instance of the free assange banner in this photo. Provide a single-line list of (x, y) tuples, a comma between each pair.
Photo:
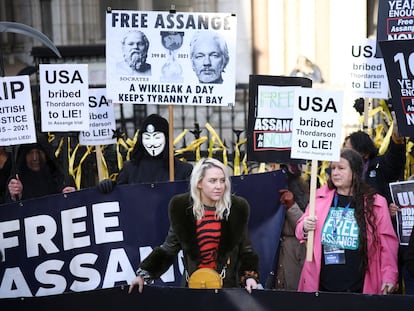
[(87, 240)]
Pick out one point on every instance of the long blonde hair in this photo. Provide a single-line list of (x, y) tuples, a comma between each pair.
[(199, 171)]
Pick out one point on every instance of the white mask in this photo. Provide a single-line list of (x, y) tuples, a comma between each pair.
[(154, 142)]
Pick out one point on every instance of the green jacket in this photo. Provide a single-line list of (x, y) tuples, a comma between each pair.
[(235, 247)]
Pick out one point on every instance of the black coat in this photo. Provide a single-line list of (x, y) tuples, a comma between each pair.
[(151, 170), (234, 242), (386, 168)]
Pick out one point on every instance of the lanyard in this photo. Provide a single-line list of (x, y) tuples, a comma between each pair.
[(344, 212)]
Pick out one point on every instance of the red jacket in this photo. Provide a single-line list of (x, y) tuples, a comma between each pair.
[(382, 260)]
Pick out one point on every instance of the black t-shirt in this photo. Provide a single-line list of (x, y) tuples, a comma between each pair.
[(347, 277)]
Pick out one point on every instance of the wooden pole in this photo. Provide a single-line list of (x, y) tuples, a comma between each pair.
[(366, 113), (171, 140), (314, 175)]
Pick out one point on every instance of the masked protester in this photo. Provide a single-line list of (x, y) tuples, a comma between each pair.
[(150, 158)]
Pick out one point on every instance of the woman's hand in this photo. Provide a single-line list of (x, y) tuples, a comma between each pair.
[(68, 189), (393, 208), (309, 223), (387, 288), (250, 284), (15, 187), (137, 281)]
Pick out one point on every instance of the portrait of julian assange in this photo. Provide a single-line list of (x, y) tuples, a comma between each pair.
[(135, 46), (209, 56)]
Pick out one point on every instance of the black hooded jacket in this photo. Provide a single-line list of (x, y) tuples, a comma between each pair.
[(144, 168), (49, 180)]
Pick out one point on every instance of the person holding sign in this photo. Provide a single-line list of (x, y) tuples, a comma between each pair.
[(37, 174), (150, 158), (355, 246), (209, 56), (210, 225)]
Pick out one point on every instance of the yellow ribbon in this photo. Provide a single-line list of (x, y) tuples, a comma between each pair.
[(386, 141), (409, 160), (180, 137), (194, 145), (104, 164), (78, 170), (214, 138), (236, 161), (244, 164)]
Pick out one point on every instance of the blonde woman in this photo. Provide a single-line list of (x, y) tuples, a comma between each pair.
[(210, 225)]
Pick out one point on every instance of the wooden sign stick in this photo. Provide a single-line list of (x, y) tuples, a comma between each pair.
[(314, 176), (171, 140)]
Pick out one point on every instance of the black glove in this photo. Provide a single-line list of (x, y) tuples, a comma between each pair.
[(106, 185)]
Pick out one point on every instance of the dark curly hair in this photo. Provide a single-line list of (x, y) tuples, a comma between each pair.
[(363, 143), (362, 200)]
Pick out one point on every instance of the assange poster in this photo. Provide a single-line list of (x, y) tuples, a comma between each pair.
[(171, 58), (64, 90), (270, 117), (402, 194), (16, 111), (317, 124), (399, 61), (367, 75), (102, 122)]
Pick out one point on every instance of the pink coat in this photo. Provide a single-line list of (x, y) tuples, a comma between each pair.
[(382, 260)]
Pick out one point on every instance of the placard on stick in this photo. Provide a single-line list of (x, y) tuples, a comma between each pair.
[(316, 135)]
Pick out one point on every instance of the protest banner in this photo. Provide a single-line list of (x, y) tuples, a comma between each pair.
[(399, 61), (177, 58), (16, 112), (402, 194), (269, 135), (85, 240), (367, 75), (64, 97)]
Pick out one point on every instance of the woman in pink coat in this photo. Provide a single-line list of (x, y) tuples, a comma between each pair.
[(355, 246)]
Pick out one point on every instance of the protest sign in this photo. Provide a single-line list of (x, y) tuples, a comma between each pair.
[(317, 124), (102, 123), (171, 58), (367, 75), (395, 21), (270, 117), (402, 194), (64, 97), (16, 112), (316, 135), (399, 61)]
